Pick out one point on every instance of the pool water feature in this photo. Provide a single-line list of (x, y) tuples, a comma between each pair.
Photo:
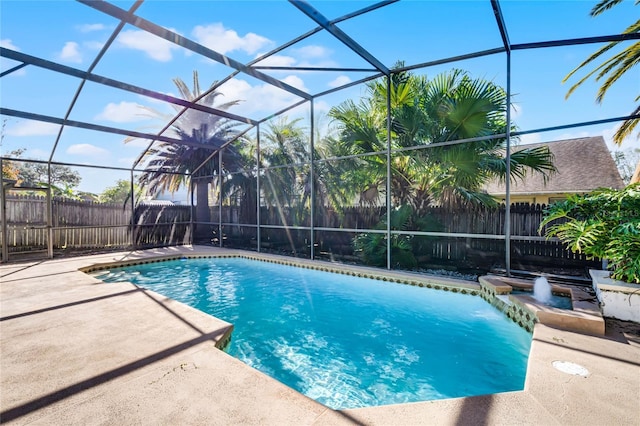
[(555, 300), (542, 290), (346, 341)]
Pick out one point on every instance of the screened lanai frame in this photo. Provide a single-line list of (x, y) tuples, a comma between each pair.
[(254, 69)]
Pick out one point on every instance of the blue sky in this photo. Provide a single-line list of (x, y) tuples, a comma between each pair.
[(72, 34)]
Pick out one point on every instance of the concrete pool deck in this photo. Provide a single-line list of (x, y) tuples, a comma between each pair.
[(77, 351)]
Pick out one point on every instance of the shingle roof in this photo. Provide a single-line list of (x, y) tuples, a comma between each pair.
[(583, 164)]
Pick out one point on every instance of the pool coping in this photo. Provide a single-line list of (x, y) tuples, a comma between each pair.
[(400, 277), (248, 397)]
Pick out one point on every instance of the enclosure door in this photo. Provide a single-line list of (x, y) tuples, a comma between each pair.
[(26, 230)]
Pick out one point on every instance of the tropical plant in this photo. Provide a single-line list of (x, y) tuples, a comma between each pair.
[(449, 107), (285, 163), (612, 69), (372, 247), (169, 164), (284, 154), (603, 224)]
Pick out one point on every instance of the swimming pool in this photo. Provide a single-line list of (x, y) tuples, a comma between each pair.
[(345, 341)]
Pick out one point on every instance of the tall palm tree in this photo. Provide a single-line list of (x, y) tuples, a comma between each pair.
[(168, 164), (612, 69)]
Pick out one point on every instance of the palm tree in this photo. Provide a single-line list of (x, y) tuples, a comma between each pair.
[(284, 151), (450, 107), (168, 164), (360, 131), (612, 69)]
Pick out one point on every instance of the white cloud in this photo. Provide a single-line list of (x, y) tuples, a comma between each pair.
[(33, 128), (155, 47), (277, 61), (295, 81), (321, 107), (124, 112), (32, 154), (70, 52), (235, 89), (530, 138), (8, 44), (314, 56), (262, 98), (307, 56), (339, 81), (86, 150), (301, 111), (38, 154), (94, 45), (87, 28), (313, 52), (217, 37)]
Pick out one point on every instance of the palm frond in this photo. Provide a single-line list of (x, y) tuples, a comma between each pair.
[(613, 68), (626, 128), (618, 66), (602, 6), (184, 90), (586, 62)]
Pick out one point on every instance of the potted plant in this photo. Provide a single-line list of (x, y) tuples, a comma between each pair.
[(604, 224)]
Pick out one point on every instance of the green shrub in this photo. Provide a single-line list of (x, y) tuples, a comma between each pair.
[(372, 247), (604, 224)]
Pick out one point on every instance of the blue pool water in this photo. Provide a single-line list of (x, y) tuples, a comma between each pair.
[(344, 341)]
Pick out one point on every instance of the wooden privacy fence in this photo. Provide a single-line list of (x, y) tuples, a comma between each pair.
[(162, 225), (525, 218), (88, 225), (529, 250)]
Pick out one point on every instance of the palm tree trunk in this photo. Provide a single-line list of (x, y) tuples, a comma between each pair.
[(202, 232), (248, 204)]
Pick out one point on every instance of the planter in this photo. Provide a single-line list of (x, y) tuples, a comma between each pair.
[(618, 299)]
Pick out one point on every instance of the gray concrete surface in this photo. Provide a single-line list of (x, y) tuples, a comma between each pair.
[(77, 351)]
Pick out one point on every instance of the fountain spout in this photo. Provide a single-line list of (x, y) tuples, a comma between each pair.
[(542, 290)]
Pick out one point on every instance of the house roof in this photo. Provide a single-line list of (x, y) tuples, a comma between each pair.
[(583, 164)]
